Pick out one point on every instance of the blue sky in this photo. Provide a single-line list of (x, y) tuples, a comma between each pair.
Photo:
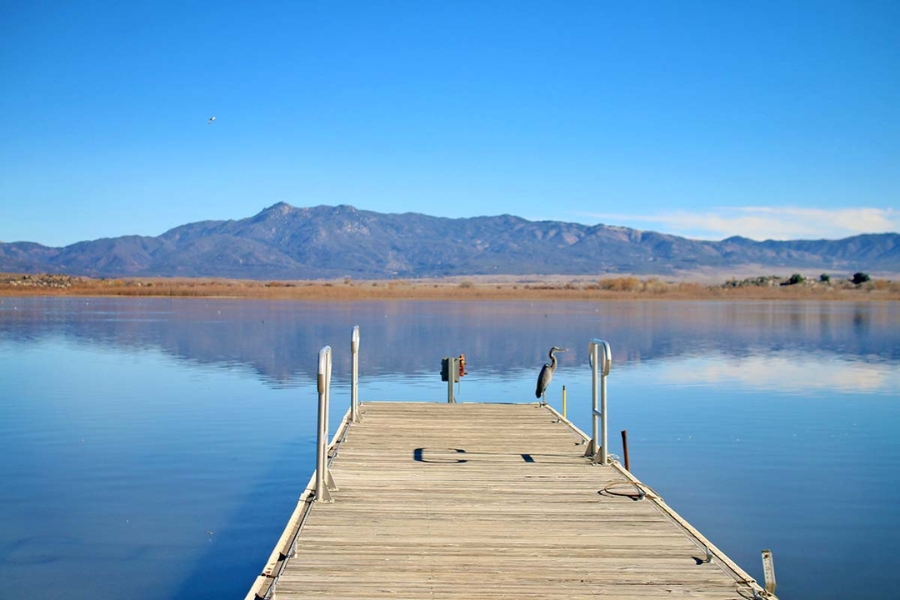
[(705, 119)]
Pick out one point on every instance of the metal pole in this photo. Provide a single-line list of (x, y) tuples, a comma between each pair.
[(595, 362), (604, 442), (354, 375), (564, 402), (329, 480), (601, 358), (323, 381), (625, 449), (452, 377), (327, 397)]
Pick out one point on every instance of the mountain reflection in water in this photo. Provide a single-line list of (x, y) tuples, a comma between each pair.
[(277, 339)]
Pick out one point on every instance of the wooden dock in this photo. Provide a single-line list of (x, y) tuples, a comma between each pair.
[(463, 501)]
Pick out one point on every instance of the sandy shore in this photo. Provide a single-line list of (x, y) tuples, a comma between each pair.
[(463, 288)]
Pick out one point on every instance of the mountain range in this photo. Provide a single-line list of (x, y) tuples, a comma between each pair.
[(325, 242)]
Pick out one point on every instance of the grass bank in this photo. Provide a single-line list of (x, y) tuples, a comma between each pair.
[(469, 288)]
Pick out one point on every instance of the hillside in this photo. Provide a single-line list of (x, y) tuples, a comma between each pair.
[(284, 242)]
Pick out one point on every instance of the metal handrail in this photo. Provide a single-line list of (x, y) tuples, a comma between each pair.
[(354, 375), (601, 360), (324, 480)]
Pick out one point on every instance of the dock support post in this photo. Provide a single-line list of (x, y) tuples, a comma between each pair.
[(625, 449), (453, 365), (323, 380), (769, 570), (450, 372), (354, 375), (601, 358)]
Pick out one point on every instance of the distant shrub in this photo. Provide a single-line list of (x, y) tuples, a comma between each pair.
[(621, 284), (465, 285), (655, 286), (794, 280), (825, 278), (860, 278), (761, 281)]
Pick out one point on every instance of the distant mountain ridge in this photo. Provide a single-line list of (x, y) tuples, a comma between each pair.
[(322, 242)]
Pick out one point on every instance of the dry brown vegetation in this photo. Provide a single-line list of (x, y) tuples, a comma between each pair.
[(470, 288)]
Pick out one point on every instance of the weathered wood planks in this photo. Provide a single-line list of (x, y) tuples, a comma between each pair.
[(462, 501)]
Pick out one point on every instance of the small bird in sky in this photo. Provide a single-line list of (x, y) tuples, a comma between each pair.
[(211, 119)]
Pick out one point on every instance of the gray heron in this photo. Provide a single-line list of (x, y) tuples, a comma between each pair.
[(546, 374)]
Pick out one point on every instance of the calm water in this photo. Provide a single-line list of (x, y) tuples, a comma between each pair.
[(155, 448)]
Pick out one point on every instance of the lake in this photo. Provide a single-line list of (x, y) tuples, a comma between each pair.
[(154, 448)]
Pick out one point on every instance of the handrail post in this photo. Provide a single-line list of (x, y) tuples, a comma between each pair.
[(323, 381), (601, 359), (604, 440), (354, 375)]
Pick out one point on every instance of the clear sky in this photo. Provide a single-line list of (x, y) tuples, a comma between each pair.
[(705, 119)]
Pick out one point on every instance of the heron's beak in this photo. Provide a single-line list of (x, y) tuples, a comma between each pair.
[(563, 350)]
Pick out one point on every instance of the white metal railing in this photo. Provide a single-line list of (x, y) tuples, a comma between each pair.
[(324, 481), (321, 483), (601, 359), (354, 375)]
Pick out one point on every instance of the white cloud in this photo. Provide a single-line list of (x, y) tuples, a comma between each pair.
[(764, 222), (786, 372)]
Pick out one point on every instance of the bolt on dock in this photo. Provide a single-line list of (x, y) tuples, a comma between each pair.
[(461, 501)]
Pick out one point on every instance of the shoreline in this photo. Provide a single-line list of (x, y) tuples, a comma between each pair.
[(550, 288)]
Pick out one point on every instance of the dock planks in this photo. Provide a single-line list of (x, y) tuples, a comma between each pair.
[(463, 501)]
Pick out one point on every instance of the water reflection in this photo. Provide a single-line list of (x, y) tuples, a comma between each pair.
[(164, 442), (786, 372), (278, 339)]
